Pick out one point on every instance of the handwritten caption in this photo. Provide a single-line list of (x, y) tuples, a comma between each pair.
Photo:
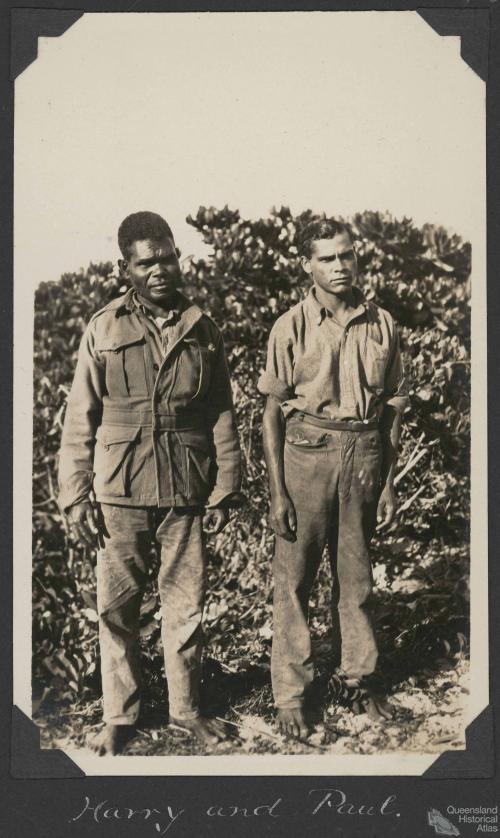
[(318, 800)]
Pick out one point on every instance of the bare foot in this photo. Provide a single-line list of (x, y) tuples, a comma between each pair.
[(208, 731), (112, 739), (378, 708), (292, 723)]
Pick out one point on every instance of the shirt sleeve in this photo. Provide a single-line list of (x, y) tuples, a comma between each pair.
[(396, 385), (277, 379)]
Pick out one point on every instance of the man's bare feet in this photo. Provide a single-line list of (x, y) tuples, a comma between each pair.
[(361, 695), (377, 707), (208, 731), (292, 723), (111, 739)]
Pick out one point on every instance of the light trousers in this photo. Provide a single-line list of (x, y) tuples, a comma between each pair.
[(122, 569), (333, 480)]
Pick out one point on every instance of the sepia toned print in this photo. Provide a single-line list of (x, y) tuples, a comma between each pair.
[(377, 649)]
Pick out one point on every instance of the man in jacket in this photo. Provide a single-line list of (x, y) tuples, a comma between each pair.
[(149, 441), (336, 391)]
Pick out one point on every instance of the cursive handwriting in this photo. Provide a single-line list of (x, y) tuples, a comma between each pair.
[(101, 812), (336, 799), (324, 800)]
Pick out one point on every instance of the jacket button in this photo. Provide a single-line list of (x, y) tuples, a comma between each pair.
[(156, 367)]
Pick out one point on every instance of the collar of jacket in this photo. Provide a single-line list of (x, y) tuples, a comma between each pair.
[(130, 322), (173, 314), (129, 302)]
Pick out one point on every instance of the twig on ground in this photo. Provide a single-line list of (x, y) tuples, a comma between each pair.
[(249, 727), (272, 736)]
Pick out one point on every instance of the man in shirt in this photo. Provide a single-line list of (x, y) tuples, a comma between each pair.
[(149, 440), (335, 387)]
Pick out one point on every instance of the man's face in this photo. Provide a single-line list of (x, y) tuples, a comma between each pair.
[(153, 269), (332, 264)]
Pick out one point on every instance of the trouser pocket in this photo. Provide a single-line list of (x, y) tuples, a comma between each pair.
[(305, 438)]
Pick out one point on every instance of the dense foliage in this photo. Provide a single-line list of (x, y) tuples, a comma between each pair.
[(253, 275)]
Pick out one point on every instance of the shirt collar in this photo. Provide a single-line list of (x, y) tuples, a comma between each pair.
[(320, 311), (131, 304)]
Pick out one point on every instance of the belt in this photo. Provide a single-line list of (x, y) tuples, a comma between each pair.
[(182, 421), (336, 425)]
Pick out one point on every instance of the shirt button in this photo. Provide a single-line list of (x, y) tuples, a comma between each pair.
[(156, 367)]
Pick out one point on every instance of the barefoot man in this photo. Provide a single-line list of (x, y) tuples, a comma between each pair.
[(335, 387), (149, 442)]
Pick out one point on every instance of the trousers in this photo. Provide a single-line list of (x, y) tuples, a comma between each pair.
[(333, 480), (122, 570)]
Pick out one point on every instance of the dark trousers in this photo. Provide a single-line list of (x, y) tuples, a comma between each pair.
[(333, 480)]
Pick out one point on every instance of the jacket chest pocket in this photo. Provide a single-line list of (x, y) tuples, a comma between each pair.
[(374, 363), (126, 368), (193, 370), (113, 459)]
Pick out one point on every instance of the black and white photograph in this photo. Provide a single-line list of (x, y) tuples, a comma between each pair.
[(251, 251)]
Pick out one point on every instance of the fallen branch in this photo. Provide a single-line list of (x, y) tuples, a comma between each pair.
[(271, 735)]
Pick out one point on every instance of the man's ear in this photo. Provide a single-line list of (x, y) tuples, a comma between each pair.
[(123, 266), (306, 265)]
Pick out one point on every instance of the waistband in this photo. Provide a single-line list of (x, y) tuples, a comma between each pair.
[(336, 425), (183, 421)]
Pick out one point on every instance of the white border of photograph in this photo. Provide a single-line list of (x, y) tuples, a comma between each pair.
[(65, 219)]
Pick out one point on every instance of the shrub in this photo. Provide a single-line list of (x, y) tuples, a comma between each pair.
[(253, 275)]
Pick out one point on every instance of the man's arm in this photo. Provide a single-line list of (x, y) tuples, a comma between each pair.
[(226, 492), (282, 516), (76, 456), (395, 401), (390, 431)]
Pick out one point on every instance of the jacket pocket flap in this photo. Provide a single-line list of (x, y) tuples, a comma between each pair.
[(116, 434), (194, 439), (114, 343)]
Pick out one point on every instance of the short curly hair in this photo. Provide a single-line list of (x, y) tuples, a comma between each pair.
[(140, 226), (320, 228)]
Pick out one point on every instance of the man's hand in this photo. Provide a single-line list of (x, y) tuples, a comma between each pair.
[(85, 524), (215, 520), (386, 508), (282, 517)]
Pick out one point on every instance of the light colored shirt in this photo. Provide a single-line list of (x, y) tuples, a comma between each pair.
[(162, 331), (331, 371)]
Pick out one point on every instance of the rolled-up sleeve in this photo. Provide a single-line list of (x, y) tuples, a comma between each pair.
[(277, 379), (396, 385)]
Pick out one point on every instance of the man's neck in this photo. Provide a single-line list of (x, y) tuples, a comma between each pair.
[(159, 310), (337, 304)]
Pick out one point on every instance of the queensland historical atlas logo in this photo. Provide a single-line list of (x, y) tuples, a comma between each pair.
[(442, 826)]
